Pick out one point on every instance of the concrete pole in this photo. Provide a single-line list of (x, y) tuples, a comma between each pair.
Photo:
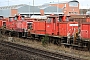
[(57, 7), (33, 7), (29, 9)]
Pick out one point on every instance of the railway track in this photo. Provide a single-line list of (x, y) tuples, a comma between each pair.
[(42, 53)]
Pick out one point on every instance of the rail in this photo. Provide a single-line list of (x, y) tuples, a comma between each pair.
[(42, 53)]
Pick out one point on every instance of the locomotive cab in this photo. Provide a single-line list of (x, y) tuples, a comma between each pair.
[(11, 19), (63, 18), (60, 19), (51, 25), (19, 17)]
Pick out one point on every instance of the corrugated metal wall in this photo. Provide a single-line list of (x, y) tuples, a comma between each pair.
[(5, 12), (27, 8)]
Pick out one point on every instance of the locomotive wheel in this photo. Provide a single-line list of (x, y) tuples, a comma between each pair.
[(19, 34), (0, 34), (33, 37), (10, 33), (3, 31), (88, 46), (52, 41), (40, 38), (59, 42), (49, 41)]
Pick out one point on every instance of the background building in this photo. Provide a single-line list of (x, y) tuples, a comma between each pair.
[(67, 8)]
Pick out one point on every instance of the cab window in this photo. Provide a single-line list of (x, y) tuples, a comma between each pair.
[(22, 18), (10, 19), (29, 25), (49, 20), (15, 18), (1, 18)]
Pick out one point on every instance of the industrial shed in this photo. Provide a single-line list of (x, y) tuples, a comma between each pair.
[(27, 10)]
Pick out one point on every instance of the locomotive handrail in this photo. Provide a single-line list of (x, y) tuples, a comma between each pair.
[(68, 32)]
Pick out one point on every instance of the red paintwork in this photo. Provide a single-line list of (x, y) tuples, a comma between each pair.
[(52, 27), (67, 27), (64, 18), (1, 21), (85, 30), (88, 19), (19, 17), (18, 24), (11, 24), (39, 27)]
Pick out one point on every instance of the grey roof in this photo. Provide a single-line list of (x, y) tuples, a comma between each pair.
[(12, 7), (44, 6), (5, 12), (47, 9), (53, 9), (27, 8)]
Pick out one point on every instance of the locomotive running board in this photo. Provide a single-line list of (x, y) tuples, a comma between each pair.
[(66, 44), (29, 37), (23, 36)]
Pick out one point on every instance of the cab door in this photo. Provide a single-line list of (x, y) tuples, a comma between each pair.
[(51, 26)]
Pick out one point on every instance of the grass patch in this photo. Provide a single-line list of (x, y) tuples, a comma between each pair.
[(45, 40)]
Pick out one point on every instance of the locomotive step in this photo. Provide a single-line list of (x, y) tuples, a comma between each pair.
[(29, 37), (66, 44), (23, 36)]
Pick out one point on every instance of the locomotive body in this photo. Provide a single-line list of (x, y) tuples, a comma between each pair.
[(59, 29)]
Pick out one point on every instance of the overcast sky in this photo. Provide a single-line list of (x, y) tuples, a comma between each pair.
[(83, 3)]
